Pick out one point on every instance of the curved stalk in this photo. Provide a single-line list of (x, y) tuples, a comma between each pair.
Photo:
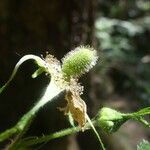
[(22, 125), (20, 62)]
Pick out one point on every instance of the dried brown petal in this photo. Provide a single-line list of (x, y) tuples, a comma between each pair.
[(77, 107)]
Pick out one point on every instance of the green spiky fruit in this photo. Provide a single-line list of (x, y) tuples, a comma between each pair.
[(78, 61)]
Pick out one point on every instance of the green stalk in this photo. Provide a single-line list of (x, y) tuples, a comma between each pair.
[(46, 138), (51, 92), (96, 133), (22, 126), (22, 60), (43, 139)]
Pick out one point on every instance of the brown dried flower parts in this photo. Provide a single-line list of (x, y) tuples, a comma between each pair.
[(75, 105)]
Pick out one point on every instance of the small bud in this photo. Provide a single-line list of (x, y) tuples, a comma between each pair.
[(78, 61), (110, 120)]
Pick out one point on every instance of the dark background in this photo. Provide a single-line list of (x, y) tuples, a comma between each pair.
[(118, 29)]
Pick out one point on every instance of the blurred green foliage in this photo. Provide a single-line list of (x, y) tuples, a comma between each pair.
[(144, 145), (125, 47)]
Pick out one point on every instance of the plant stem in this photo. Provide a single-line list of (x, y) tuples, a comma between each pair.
[(22, 60), (140, 113), (21, 127), (43, 139), (47, 138), (6, 134), (94, 129), (143, 121)]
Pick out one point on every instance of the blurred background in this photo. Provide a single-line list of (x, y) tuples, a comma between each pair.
[(118, 29)]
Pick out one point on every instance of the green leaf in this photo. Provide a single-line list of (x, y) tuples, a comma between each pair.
[(144, 145)]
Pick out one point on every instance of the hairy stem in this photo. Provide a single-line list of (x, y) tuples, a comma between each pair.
[(143, 121), (22, 60), (23, 124), (47, 138), (43, 139)]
